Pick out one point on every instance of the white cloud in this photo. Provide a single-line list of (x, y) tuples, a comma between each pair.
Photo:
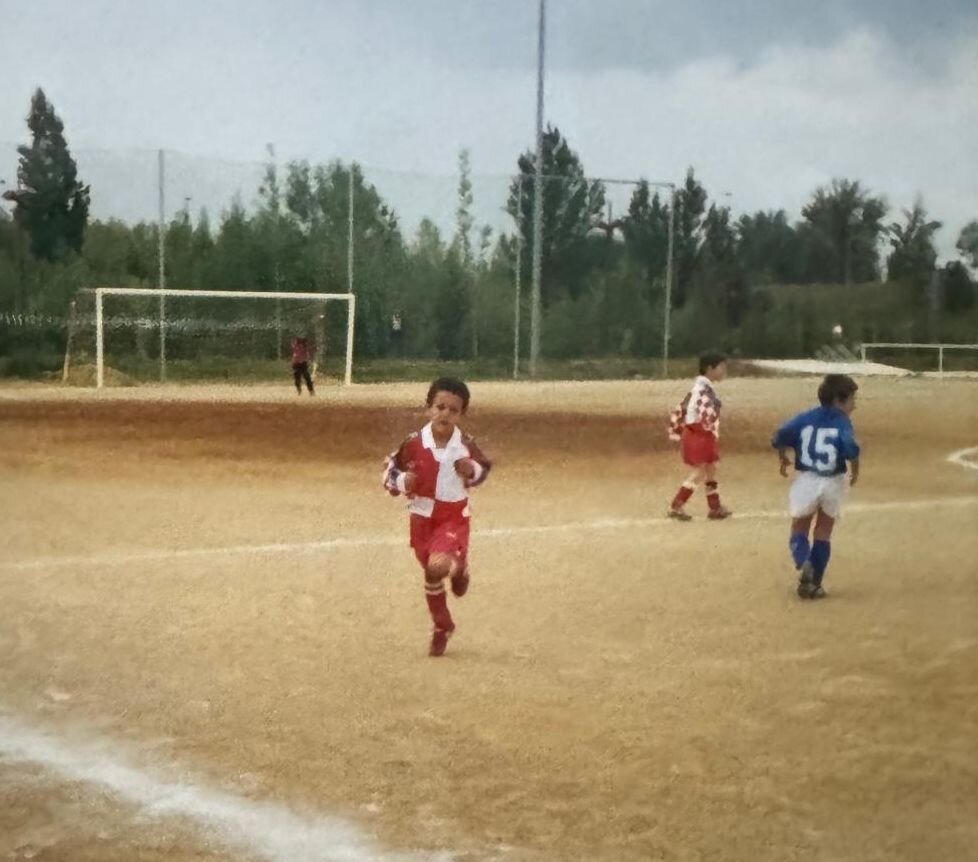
[(768, 131)]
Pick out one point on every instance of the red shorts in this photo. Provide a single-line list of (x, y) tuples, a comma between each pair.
[(440, 537), (699, 447)]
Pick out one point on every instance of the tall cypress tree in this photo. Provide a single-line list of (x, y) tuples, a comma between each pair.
[(51, 203)]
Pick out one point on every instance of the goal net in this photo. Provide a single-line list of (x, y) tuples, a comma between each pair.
[(126, 336)]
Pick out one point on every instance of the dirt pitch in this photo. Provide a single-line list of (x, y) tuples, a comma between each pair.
[(207, 588)]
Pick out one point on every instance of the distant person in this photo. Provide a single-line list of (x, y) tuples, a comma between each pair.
[(301, 356), (824, 443), (695, 423), (435, 468), (397, 334)]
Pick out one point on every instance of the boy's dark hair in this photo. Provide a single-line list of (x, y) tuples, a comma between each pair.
[(449, 384), (835, 388), (711, 360)]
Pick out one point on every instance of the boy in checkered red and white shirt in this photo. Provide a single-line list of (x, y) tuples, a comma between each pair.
[(695, 423)]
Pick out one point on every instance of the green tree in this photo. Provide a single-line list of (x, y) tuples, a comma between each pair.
[(846, 222), (768, 248), (968, 243), (690, 207), (718, 273), (571, 205), (464, 224), (959, 290), (51, 202), (913, 256), (646, 230)]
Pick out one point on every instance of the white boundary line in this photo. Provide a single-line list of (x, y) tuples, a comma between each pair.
[(327, 545), (961, 458), (267, 830)]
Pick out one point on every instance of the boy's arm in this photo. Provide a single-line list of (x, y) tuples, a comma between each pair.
[(474, 469), (853, 471), (786, 463), (397, 477), (783, 440)]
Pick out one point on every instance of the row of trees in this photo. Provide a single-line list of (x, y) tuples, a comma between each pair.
[(603, 279)]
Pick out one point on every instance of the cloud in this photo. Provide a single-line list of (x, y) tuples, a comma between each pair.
[(767, 125), (772, 131)]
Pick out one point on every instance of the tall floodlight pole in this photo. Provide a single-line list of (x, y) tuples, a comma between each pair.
[(162, 276), (349, 244), (536, 305), (519, 279), (668, 305)]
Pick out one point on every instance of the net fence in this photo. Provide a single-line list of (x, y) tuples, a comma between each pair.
[(441, 265)]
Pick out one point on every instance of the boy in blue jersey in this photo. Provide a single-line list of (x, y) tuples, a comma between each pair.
[(824, 444)]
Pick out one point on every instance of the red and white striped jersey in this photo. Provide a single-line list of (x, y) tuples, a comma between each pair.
[(438, 488), (700, 408)]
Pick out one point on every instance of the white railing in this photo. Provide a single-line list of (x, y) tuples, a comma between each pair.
[(909, 345)]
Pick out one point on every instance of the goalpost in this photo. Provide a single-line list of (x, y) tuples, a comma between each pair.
[(272, 321)]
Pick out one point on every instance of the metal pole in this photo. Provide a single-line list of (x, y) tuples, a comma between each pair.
[(940, 360), (99, 342), (350, 317), (349, 246), (536, 305), (162, 276), (668, 309), (519, 280), (72, 312)]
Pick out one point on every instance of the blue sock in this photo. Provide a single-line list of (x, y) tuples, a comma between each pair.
[(821, 551), (799, 548)]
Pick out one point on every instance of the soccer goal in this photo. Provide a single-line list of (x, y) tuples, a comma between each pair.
[(133, 335), (942, 359)]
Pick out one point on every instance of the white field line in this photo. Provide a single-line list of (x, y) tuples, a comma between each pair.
[(962, 458), (327, 545), (263, 830)]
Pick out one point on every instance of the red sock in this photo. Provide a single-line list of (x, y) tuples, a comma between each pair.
[(685, 492), (438, 606), (712, 496)]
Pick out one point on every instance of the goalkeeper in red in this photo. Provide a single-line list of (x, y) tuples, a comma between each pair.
[(435, 468)]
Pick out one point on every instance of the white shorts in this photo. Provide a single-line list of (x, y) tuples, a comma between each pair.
[(811, 492)]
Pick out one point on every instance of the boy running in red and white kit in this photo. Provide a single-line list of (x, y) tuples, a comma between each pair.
[(435, 468), (695, 423)]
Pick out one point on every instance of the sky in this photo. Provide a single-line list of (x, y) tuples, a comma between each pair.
[(766, 100)]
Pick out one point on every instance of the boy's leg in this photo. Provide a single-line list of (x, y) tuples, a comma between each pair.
[(801, 550), (686, 490), (308, 378), (798, 542), (717, 510), (297, 378), (821, 547), (440, 566)]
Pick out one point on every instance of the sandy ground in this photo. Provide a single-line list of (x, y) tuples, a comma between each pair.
[(628, 690)]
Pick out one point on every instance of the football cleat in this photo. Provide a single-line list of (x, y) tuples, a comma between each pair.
[(439, 642), (460, 584), (806, 581), (719, 514), (678, 515)]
